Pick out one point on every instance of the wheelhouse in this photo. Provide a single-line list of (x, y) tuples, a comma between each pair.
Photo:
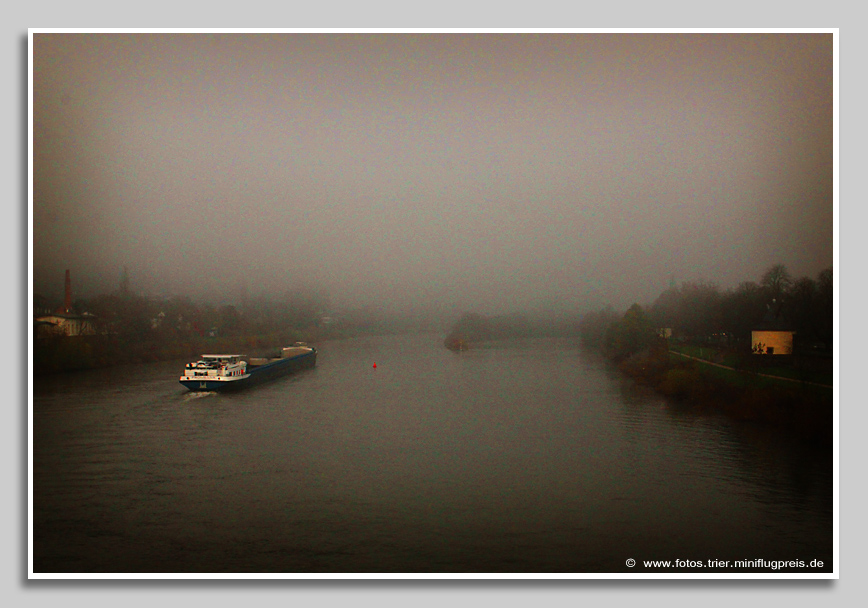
[(216, 366)]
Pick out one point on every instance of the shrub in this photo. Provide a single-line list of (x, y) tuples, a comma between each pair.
[(681, 382)]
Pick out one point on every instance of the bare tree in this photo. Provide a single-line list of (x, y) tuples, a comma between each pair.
[(777, 281)]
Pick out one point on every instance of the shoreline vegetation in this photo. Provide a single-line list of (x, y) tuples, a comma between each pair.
[(693, 346), (747, 392), (128, 328), (794, 392), (60, 354)]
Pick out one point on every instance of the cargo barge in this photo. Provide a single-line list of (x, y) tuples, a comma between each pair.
[(233, 372)]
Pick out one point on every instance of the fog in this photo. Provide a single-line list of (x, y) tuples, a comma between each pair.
[(430, 172)]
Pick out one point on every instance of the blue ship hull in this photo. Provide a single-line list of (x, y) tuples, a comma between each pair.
[(256, 375)]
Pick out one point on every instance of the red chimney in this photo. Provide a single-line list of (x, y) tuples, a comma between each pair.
[(67, 300)]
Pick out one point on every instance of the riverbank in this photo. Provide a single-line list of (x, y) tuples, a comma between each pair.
[(76, 353), (59, 354), (749, 395)]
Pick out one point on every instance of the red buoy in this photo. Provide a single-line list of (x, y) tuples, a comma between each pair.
[(375, 366)]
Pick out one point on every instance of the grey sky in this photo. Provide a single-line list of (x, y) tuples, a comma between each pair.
[(486, 172)]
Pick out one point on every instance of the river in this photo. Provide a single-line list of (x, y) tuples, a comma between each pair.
[(524, 457)]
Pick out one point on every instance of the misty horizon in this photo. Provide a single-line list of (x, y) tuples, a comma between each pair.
[(430, 172)]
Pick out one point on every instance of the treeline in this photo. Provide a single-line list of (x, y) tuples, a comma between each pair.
[(473, 327), (701, 313), (180, 317), (719, 323), (132, 328)]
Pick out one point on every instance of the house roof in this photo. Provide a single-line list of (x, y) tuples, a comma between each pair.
[(58, 315)]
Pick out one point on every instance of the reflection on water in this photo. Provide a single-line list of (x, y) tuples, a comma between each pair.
[(530, 457)]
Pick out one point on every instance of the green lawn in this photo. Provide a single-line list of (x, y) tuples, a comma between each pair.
[(708, 353), (741, 378)]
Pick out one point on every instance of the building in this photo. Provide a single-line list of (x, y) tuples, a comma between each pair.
[(773, 336), (64, 325), (64, 321)]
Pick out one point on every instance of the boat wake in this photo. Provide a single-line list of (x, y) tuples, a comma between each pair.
[(198, 395)]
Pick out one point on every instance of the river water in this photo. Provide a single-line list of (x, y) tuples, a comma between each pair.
[(527, 457)]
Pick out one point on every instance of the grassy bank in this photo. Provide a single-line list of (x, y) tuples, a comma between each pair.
[(784, 367), (740, 393)]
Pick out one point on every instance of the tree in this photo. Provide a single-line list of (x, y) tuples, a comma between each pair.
[(801, 310), (826, 307), (125, 315), (692, 310), (594, 325), (742, 308), (632, 334), (776, 281), (700, 309), (666, 310)]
